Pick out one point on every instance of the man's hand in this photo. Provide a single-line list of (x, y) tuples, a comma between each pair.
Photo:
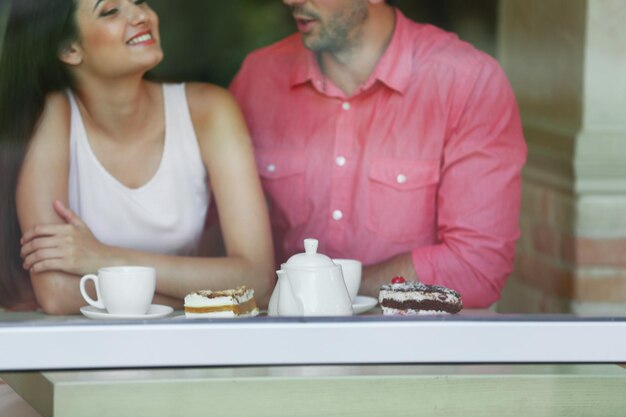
[(69, 247), (376, 275)]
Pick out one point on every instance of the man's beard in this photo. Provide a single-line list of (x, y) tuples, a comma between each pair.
[(340, 32)]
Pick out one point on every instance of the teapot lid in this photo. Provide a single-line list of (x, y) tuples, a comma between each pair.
[(310, 258)]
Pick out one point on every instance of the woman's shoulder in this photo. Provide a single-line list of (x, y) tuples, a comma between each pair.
[(47, 156), (54, 123), (58, 103), (209, 101), (206, 95)]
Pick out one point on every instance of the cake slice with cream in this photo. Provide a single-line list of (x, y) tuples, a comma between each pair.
[(236, 302), (416, 298)]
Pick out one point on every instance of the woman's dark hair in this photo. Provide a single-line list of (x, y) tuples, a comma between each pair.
[(36, 31), (391, 2)]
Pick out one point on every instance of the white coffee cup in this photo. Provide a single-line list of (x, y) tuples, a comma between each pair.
[(122, 289), (351, 270)]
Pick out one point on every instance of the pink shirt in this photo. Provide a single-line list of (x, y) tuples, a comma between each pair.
[(424, 158)]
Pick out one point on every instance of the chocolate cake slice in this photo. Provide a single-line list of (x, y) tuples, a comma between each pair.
[(412, 298)]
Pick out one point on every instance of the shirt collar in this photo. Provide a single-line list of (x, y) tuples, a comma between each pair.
[(393, 68), (305, 67)]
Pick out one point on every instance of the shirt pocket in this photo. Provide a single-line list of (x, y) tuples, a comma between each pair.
[(402, 198), (282, 175)]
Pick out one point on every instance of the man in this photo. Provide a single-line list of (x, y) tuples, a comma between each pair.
[(391, 142)]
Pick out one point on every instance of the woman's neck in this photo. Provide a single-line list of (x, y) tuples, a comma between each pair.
[(121, 108)]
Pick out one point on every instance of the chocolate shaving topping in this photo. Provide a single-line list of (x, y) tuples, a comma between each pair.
[(411, 286)]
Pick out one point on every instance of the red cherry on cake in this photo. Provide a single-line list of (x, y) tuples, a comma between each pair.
[(398, 280)]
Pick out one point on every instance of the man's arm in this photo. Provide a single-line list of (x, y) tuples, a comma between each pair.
[(376, 275), (478, 202)]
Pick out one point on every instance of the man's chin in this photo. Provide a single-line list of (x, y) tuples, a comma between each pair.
[(307, 41), (312, 43)]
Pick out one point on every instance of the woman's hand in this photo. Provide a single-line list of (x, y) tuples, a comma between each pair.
[(69, 247)]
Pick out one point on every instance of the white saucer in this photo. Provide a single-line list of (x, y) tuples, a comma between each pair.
[(242, 316), (155, 311), (361, 304)]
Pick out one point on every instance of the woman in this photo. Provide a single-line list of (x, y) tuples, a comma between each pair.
[(119, 170)]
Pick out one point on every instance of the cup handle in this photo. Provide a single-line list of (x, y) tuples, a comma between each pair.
[(96, 303)]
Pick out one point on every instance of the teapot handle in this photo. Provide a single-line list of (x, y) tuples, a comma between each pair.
[(286, 290), (272, 308)]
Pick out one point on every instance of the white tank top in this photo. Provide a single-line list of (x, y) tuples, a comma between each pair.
[(165, 215)]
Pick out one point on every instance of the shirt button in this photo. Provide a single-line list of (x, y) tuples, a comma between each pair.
[(346, 106), (341, 161), (271, 168), (401, 179), (337, 215)]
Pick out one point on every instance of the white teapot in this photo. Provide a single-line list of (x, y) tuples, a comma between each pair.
[(310, 284)]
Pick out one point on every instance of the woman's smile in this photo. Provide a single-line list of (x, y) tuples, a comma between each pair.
[(143, 38)]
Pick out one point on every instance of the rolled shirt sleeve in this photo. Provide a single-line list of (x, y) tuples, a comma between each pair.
[(479, 195)]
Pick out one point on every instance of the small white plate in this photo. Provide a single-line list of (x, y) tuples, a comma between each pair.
[(243, 316), (361, 304), (155, 311)]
